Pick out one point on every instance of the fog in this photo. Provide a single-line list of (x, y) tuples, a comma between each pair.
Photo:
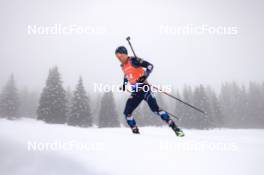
[(178, 59)]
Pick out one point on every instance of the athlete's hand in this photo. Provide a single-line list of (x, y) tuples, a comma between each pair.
[(142, 79), (123, 87)]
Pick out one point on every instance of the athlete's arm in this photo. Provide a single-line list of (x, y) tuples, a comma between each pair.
[(145, 64), (149, 67)]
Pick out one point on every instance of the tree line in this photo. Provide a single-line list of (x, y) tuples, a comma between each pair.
[(235, 106)]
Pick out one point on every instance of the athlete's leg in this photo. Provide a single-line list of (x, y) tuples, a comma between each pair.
[(131, 104), (152, 103)]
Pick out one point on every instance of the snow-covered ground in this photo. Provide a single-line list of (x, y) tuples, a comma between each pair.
[(29, 147)]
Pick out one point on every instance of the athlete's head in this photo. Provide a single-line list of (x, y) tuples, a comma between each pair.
[(121, 54)]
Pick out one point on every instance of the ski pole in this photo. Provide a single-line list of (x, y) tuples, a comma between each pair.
[(197, 109), (128, 40)]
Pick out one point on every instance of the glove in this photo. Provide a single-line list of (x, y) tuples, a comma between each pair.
[(123, 87), (142, 79)]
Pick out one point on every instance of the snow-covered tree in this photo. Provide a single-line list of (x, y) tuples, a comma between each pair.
[(108, 116), (69, 96), (80, 114), (188, 118), (28, 103), (179, 111), (9, 100), (234, 104), (255, 117), (201, 100), (53, 104), (215, 108)]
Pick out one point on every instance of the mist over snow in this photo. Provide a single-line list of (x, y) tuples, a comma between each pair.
[(115, 151)]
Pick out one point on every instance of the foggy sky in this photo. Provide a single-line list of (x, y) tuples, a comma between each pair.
[(177, 59)]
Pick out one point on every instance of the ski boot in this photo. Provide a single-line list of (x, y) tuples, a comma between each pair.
[(177, 131), (135, 130)]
